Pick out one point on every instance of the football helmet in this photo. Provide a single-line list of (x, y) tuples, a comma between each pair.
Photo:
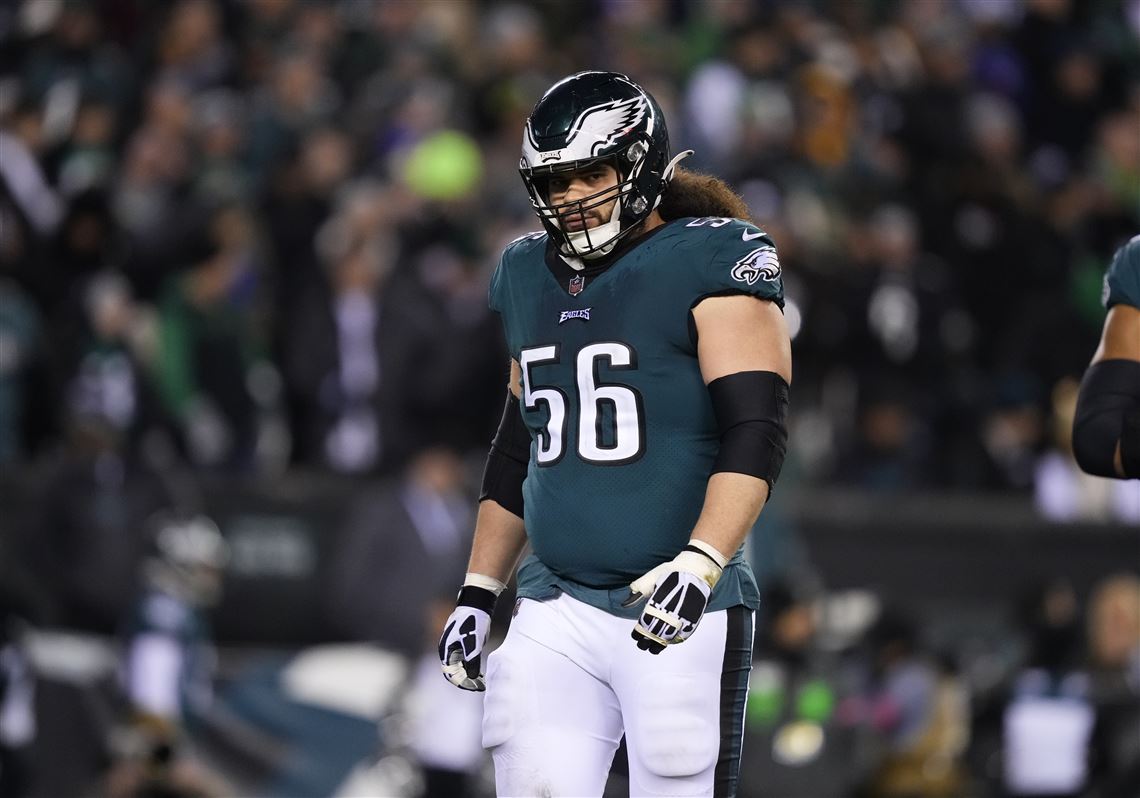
[(187, 556), (592, 117)]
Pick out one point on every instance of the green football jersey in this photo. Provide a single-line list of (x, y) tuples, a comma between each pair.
[(623, 434), (1122, 280)]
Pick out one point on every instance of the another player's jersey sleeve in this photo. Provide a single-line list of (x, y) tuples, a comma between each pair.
[(739, 258), (1122, 280)]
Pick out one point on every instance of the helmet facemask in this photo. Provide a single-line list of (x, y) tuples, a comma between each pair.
[(629, 206)]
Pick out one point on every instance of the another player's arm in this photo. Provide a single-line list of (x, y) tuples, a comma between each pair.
[(739, 338), (495, 550), (1106, 430)]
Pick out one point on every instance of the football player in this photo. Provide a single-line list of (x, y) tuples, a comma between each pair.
[(1106, 426), (643, 432), (170, 656)]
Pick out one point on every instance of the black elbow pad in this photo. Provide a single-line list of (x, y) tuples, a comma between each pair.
[(751, 410), (1108, 413)]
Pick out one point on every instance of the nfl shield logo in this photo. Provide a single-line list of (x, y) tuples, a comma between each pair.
[(577, 283)]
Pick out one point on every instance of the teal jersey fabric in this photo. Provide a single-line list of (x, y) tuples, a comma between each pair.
[(623, 434), (1122, 280)]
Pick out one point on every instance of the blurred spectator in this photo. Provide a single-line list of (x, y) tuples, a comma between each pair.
[(20, 346), (793, 744), (209, 363), (297, 204), (1013, 431), (297, 98), (416, 533), (919, 708), (219, 137), (72, 60), (1114, 646), (101, 355), (191, 50), (1048, 719), (110, 474), (346, 351), (17, 685), (147, 193)]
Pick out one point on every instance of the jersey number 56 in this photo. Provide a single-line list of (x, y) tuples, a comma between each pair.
[(611, 427)]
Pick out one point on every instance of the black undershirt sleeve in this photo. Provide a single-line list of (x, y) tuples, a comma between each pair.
[(507, 461)]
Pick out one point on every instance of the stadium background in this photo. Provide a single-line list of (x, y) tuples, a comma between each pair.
[(244, 249)]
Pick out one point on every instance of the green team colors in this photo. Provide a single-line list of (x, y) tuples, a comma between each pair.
[(1122, 280), (623, 431)]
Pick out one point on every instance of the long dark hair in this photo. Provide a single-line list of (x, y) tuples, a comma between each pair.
[(696, 194)]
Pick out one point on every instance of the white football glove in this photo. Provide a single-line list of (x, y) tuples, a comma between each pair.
[(678, 593), (465, 633)]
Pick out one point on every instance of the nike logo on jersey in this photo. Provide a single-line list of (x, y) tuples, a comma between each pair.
[(749, 236), (566, 315)]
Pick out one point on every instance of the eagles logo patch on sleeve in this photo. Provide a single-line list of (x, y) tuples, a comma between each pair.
[(759, 264)]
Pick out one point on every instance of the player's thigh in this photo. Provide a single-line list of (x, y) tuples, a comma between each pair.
[(684, 709), (551, 727)]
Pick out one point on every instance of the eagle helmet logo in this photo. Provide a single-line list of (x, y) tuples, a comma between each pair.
[(594, 131)]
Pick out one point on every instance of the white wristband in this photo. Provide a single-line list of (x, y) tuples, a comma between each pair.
[(710, 550), (485, 582)]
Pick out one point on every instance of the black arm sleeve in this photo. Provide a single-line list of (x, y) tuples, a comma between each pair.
[(1108, 412), (751, 410), (507, 461)]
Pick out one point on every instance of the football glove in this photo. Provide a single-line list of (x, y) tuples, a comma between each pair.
[(465, 633), (678, 593)]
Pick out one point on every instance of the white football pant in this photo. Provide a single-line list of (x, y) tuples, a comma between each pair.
[(568, 680)]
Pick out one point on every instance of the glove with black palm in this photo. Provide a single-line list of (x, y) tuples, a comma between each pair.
[(678, 593), (465, 633)]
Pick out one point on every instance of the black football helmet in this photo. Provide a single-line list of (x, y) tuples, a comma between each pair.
[(581, 120)]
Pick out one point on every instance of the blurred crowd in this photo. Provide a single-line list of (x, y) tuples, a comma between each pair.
[(261, 231), (240, 238)]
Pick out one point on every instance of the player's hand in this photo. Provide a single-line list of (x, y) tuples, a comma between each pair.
[(678, 593), (464, 634)]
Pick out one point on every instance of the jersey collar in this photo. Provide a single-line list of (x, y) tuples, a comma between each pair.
[(574, 281)]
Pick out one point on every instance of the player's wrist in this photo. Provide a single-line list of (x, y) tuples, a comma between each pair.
[(489, 583), (476, 598), (699, 563), (480, 592), (709, 551)]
